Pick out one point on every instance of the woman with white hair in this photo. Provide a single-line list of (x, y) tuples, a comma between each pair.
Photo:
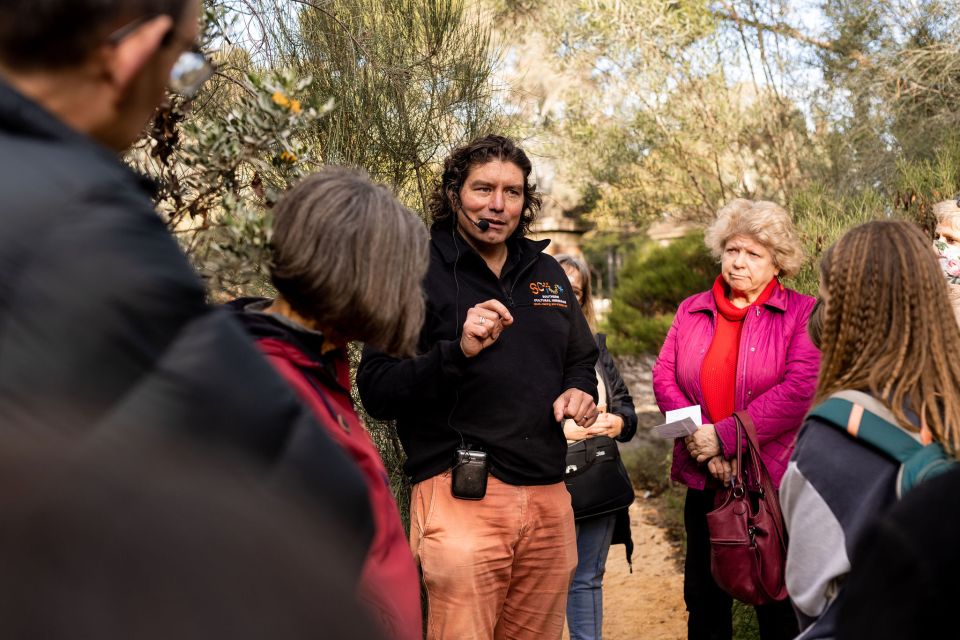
[(742, 345)]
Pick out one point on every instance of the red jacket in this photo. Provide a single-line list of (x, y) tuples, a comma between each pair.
[(390, 583)]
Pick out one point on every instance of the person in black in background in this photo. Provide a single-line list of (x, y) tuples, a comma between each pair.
[(505, 356), (617, 419), (104, 327)]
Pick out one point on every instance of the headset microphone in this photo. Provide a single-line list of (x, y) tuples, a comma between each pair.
[(483, 225)]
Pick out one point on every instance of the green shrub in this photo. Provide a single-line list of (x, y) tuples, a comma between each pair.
[(653, 282), (745, 622), (821, 218), (656, 278), (644, 334)]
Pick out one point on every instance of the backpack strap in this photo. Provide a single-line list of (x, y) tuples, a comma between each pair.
[(865, 425), (930, 461), (877, 427)]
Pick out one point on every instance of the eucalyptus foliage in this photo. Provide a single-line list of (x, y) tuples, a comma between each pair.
[(220, 162), (385, 86), (660, 123)]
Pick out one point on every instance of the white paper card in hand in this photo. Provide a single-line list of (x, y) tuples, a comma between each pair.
[(692, 412), (680, 422)]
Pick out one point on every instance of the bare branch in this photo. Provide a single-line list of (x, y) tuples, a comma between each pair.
[(784, 29)]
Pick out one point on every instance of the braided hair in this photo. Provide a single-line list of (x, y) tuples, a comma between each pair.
[(888, 326)]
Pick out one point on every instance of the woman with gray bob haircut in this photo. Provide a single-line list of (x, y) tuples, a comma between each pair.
[(350, 257), (348, 261)]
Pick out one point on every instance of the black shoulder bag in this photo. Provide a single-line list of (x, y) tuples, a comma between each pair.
[(595, 476)]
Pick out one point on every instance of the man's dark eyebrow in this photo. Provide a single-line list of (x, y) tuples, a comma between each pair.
[(487, 183)]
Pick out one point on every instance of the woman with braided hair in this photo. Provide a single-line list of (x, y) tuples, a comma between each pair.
[(889, 347)]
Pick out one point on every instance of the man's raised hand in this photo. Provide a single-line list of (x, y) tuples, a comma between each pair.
[(483, 326)]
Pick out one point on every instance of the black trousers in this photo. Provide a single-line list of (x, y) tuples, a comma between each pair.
[(708, 606)]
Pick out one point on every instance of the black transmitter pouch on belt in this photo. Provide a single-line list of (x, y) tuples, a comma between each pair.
[(470, 475)]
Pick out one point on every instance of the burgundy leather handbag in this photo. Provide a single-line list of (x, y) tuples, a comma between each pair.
[(748, 542)]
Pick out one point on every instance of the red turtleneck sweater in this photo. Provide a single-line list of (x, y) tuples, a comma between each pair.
[(718, 373)]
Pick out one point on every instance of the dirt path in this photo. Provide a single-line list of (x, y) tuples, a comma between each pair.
[(647, 604)]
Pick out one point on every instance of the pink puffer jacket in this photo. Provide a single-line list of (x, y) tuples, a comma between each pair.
[(776, 376)]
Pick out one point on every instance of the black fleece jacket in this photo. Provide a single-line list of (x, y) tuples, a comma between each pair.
[(502, 399)]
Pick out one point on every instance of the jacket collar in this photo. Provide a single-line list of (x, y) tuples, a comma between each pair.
[(22, 117), (282, 337), (704, 301), (450, 245)]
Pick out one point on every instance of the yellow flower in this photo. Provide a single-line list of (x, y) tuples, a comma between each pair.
[(295, 106), (281, 100)]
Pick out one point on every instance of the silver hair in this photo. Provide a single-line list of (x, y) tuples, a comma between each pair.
[(947, 212), (349, 256)]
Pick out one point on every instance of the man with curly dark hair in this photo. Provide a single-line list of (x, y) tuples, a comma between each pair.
[(505, 355)]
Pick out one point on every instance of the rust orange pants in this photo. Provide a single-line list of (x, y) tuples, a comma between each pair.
[(497, 568)]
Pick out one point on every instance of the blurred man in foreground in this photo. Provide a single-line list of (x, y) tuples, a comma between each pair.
[(103, 325), (142, 539)]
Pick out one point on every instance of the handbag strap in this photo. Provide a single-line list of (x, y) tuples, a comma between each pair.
[(742, 417), (737, 479), (751, 430), (591, 449), (763, 476), (745, 426)]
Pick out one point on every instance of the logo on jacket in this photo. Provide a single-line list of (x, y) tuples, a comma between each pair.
[(546, 294)]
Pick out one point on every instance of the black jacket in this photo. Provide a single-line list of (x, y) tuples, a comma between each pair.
[(104, 325), (619, 401), (903, 574), (502, 399)]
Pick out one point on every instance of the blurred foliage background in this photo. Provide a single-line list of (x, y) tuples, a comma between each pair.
[(644, 111)]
